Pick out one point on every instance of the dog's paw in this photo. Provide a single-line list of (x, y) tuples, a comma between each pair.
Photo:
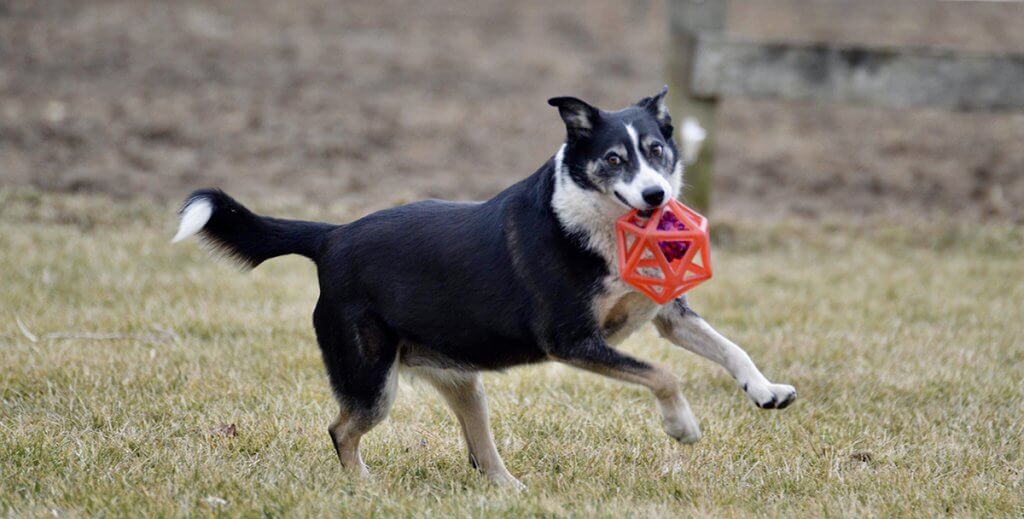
[(678, 421), (770, 396), (684, 429), (684, 435), (505, 480)]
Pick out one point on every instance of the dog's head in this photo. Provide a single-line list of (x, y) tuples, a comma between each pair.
[(627, 157)]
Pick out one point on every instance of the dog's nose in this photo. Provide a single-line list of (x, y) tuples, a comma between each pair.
[(653, 195)]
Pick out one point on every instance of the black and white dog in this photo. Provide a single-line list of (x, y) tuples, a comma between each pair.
[(449, 289)]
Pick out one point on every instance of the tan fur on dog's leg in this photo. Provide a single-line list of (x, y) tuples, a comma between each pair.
[(465, 395), (345, 434), (677, 417), (345, 437)]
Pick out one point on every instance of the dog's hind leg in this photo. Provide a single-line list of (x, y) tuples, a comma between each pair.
[(464, 393), (346, 431), (361, 355), (596, 356), (356, 418)]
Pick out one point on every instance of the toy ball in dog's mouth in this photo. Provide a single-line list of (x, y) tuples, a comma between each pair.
[(665, 252), (674, 249)]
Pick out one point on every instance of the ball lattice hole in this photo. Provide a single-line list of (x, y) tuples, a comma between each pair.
[(674, 250)]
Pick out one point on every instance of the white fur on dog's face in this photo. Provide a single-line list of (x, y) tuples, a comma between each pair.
[(630, 189), (590, 191), (619, 155)]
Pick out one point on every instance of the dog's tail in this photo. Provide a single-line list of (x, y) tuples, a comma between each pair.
[(243, 235)]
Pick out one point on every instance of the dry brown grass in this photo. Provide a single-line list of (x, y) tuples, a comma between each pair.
[(904, 342)]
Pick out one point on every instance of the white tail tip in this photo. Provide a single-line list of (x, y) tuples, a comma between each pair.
[(193, 218)]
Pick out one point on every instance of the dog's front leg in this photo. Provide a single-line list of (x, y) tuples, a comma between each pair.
[(684, 327), (596, 356)]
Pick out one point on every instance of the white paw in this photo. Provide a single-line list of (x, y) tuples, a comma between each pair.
[(688, 433), (770, 396), (506, 480), (681, 425)]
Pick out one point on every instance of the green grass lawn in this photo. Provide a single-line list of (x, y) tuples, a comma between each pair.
[(906, 344)]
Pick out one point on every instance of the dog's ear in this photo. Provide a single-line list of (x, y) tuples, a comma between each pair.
[(578, 115), (658, 107)]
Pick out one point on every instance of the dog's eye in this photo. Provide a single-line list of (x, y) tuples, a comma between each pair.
[(657, 150), (613, 159)]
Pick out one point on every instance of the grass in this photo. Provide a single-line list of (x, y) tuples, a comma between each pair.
[(906, 345)]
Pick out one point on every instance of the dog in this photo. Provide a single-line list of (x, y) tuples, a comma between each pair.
[(447, 290)]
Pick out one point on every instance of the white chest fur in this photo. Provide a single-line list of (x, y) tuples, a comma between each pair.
[(619, 309)]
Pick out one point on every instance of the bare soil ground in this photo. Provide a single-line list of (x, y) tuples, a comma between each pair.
[(367, 104)]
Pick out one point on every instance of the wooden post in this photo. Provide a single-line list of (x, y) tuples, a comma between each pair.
[(688, 20)]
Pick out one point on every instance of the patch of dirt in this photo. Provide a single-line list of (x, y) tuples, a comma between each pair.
[(371, 103)]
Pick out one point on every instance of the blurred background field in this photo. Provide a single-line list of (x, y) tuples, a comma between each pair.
[(871, 257), (372, 103)]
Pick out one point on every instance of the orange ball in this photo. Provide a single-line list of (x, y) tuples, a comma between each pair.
[(665, 254)]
